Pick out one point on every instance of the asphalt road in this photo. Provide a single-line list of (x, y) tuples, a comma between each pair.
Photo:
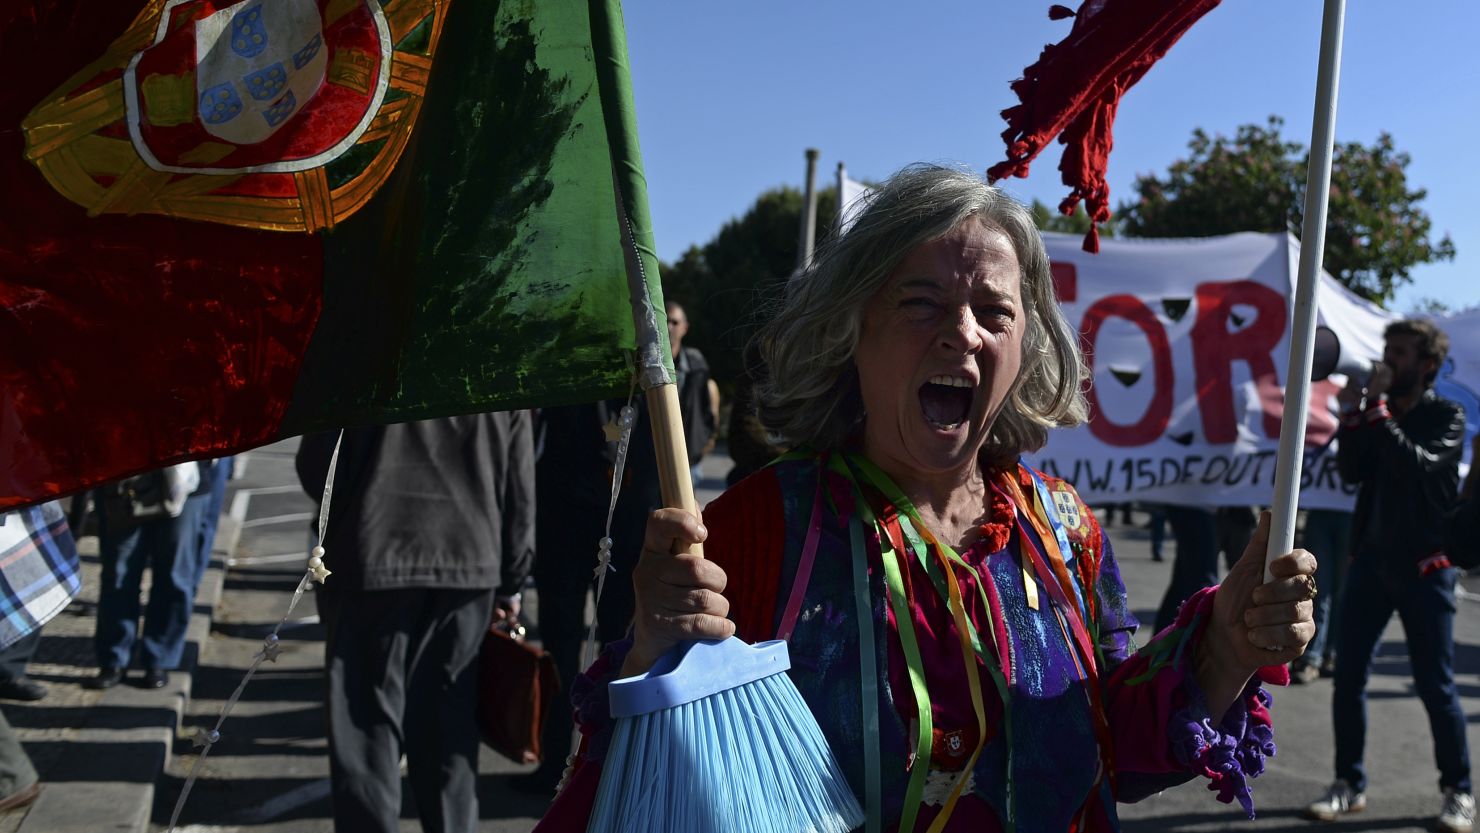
[(269, 772)]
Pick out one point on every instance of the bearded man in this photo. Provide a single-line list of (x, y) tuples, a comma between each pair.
[(1403, 444)]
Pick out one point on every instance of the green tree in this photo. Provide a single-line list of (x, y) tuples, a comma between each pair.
[(725, 284), (1376, 230)]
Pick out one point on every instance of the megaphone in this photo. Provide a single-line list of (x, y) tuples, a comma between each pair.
[(1327, 359)]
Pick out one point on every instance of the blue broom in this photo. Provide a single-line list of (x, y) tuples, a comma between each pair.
[(715, 738)]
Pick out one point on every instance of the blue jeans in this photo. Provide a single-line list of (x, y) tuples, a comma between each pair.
[(1328, 536), (168, 547), (220, 473), (1426, 606)]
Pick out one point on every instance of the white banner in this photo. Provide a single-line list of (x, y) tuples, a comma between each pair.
[(853, 196), (1188, 342)]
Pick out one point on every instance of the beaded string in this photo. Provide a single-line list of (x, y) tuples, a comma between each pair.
[(272, 647), (620, 430)]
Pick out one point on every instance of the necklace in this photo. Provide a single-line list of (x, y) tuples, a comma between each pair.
[(997, 528)]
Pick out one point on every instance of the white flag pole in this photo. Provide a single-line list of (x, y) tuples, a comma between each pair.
[(1303, 323)]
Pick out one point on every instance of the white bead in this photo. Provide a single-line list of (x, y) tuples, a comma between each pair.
[(318, 552), (315, 563), (605, 544)]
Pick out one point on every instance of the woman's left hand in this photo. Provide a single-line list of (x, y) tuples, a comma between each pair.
[(1257, 624)]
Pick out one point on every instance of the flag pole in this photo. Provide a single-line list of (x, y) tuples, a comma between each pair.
[(809, 213), (1303, 322), (842, 175), (654, 360)]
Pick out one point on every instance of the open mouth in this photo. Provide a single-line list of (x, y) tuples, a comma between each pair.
[(945, 401)]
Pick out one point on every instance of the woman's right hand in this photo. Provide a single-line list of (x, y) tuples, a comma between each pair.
[(678, 593)]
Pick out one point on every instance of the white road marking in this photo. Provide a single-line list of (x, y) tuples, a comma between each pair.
[(273, 520), (275, 558), (243, 498)]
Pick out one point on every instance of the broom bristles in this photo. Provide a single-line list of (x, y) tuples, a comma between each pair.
[(750, 759)]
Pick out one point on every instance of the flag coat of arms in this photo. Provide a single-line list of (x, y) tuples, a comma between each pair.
[(229, 222), (275, 114)]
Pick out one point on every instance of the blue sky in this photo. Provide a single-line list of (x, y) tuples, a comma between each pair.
[(730, 92)]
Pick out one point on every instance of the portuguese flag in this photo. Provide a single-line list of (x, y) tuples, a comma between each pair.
[(230, 222)]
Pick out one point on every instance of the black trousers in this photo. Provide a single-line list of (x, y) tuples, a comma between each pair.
[(1201, 534), (1195, 565), (401, 672)]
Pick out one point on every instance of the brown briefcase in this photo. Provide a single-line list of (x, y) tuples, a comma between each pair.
[(517, 687)]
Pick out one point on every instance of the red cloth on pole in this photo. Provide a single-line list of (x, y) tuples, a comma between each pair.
[(1074, 88)]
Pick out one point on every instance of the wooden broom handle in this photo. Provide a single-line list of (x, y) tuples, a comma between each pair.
[(672, 452)]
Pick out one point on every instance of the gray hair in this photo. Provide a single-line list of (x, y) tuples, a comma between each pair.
[(808, 393)]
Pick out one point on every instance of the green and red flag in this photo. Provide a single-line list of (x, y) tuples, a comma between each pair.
[(229, 222)]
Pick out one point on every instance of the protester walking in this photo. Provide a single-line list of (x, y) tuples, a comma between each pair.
[(151, 521), (1402, 443), (430, 537)]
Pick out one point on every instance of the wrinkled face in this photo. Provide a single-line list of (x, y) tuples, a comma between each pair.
[(1402, 353), (940, 349)]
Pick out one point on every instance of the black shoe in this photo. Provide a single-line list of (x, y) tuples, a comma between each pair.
[(155, 678), (107, 678), (22, 688)]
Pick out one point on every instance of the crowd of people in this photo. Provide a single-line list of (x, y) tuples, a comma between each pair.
[(974, 624), (163, 522)]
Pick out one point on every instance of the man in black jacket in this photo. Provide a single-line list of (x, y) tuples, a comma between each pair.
[(1403, 444), (430, 537)]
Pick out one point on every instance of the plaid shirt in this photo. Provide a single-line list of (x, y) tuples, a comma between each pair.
[(39, 571)]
